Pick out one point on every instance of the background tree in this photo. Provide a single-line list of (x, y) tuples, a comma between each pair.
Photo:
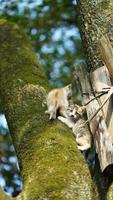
[(10, 178), (51, 27)]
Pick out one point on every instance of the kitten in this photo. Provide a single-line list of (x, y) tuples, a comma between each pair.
[(75, 110), (76, 121), (57, 101), (82, 134)]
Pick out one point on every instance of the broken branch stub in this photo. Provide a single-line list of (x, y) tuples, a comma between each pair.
[(106, 52), (101, 136)]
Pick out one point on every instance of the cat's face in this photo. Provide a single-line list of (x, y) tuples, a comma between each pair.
[(72, 111)]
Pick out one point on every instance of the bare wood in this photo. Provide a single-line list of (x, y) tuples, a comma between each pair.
[(101, 136), (104, 133), (100, 79), (110, 92), (106, 51)]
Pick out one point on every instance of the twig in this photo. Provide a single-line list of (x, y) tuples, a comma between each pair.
[(110, 92)]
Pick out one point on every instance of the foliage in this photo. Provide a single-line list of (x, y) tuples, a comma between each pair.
[(51, 26), (10, 179)]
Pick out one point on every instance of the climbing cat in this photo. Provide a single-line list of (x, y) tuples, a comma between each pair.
[(57, 101), (80, 129)]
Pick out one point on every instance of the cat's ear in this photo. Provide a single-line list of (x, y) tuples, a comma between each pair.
[(69, 86), (68, 90)]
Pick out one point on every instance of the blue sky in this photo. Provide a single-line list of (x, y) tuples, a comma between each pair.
[(3, 121)]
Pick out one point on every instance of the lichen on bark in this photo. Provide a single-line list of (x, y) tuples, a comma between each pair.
[(95, 19), (51, 165)]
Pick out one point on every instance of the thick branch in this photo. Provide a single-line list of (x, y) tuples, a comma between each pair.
[(51, 165)]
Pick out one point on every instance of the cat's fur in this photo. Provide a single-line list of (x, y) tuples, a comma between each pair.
[(57, 101), (76, 121)]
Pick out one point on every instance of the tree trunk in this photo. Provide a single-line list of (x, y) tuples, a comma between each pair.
[(50, 163), (96, 20)]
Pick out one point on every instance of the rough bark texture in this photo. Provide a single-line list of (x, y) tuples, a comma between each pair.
[(96, 19), (51, 165), (101, 123), (106, 51)]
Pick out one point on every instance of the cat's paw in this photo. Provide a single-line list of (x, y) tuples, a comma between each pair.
[(60, 118)]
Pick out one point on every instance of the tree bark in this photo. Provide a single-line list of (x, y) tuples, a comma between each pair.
[(96, 20), (100, 121), (50, 163), (106, 51)]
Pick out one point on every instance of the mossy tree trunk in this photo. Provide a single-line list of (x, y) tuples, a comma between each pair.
[(96, 20), (51, 166)]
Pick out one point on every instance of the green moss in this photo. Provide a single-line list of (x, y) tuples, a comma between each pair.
[(3, 21), (57, 164), (110, 193), (104, 4), (51, 166)]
